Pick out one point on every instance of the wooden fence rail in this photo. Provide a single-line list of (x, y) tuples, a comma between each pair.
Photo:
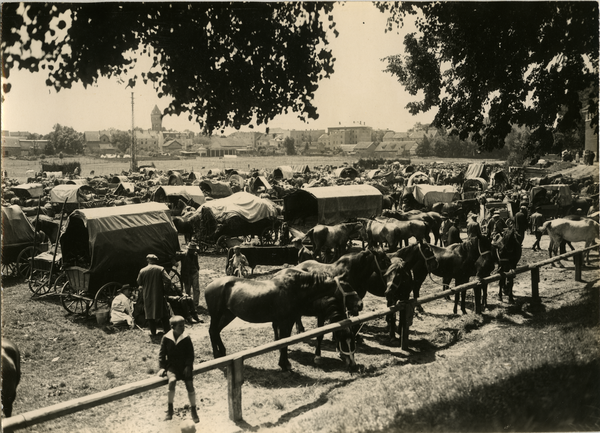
[(235, 362)]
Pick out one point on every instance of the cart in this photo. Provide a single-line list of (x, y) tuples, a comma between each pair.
[(18, 242), (230, 221), (487, 209), (105, 248)]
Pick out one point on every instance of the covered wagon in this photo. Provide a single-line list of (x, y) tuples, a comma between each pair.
[(214, 189), (283, 172), (72, 197), (428, 195), (171, 195), (104, 248), (333, 204)]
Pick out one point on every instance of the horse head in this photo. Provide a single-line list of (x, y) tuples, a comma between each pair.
[(485, 262), (399, 280), (428, 255)]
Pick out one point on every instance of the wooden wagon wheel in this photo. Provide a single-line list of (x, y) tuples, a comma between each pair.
[(74, 301), (9, 269), (39, 283), (25, 259), (175, 280), (269, 236), (105, 295)]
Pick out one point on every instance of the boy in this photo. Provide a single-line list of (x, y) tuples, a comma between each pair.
[(121, 309), (176, 359), (238, 263)]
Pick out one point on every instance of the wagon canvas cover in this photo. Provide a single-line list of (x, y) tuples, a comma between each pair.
[(333, 204), (115, 240), (70, 193), (242, 204), (16, 228), (431, 194), (188, 192)]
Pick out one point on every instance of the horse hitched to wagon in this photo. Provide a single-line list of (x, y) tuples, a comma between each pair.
[(104, 248)]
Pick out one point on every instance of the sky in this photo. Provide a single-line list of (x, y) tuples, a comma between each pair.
[(358, 90)]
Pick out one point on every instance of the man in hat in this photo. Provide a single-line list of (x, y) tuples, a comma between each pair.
[(473, 227), (444, 229), (454, 232), (153, 279), (121, 309), (190, 273), (496, 225), (521, 222)]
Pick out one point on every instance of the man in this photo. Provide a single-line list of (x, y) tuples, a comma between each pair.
[(454, 233), (304, 253), (238, 263), (152, 280), (521, 222), (444, 229), (190, 273), (473, 227), (496, 225)]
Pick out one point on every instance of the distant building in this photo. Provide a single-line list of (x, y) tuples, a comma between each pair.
[(148, 140), (221, 146), (365, 148), (591, 138), (10, 146), (156, 119), (173, 147), (99, 143), (352, 134)]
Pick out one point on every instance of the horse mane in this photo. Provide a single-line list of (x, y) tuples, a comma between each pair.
[(306, 280)]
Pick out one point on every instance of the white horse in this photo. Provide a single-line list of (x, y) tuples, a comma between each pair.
[(572, 231)]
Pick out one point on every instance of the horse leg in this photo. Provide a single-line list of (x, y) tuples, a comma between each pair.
[(283, 330), (477, 292), (318, 360), (501, 285), (509, 288), (214, 331)]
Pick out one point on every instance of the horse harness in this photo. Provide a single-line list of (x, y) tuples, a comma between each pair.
[(351, 351)]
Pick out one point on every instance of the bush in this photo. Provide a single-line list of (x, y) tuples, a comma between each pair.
[(65, 167)]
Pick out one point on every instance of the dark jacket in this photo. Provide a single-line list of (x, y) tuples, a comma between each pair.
[(454, 236), (174, 355), (521, 223)]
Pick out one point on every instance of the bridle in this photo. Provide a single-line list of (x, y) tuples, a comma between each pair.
[(351, 351), (378, 267)]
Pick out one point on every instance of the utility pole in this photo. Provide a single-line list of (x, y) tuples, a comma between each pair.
[(133, 156)]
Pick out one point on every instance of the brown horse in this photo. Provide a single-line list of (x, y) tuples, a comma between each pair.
[(377, 233), (458, 261), (432, 219), (11, 374), (507, 252), (366, 271), (280, 301), (325, 238)]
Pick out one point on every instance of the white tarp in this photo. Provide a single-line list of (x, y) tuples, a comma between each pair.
[(60, 193), (243, 204), (431, 194)]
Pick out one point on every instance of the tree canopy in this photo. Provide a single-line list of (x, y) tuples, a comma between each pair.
[(489, 65), (225, 64)]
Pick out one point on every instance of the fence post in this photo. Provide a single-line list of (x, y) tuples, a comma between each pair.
[(578, 262), (535, 285), (235, 378)]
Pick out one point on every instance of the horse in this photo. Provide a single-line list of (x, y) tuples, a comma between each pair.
[(11, 375), (408, 229), (457, 261), (280, 301), (366, 272), (459, 179), (562, 229), (508, 250), (376, 233), (432, 219), (324, 238), (184, 227)]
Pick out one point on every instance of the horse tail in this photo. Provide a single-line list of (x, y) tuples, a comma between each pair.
[(309, 235)]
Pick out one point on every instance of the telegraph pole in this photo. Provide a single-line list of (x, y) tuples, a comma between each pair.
[(133, 155)]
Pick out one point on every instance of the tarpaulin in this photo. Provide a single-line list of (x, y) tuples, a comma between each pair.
[(112, 242), (70, 193), (188, 192), (283, 172), (431, 194), (333, 204), (16, 228), (28, 190), (242, 204)]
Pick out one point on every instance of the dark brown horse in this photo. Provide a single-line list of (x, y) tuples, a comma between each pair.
[(366, 271), (458, 261), (507, 252), (433, 220), (325, 238), (280, 301), (11, 375)]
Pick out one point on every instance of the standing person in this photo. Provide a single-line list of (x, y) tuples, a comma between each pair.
[(176, 361), (521, 222), (444, 229), (537, 221), (121, 308), (152, 279), (454, 232), (473, 227), (304, 253), (190, 273)]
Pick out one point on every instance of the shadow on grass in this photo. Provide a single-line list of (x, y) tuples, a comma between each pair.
[(548, 398), (275, 378)]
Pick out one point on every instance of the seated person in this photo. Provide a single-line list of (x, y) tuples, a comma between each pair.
[(181, 304), (121, 309), (237, 263)]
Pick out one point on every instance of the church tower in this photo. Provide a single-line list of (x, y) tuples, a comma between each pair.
[(156, 119)]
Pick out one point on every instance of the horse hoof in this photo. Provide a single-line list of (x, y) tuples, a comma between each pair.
[(318, 360), (464, 312)]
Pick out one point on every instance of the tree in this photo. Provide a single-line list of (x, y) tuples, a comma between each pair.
[(121, 140), (225, 64), (49, 149), (519, 63), (66, 139), (424, 148), (289, 145)]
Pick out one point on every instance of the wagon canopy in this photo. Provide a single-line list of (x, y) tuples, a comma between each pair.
[(333, 204), (565, 198), (428, 195), (476, 170), (70, 193), (283, 172), (169, 193), (112, 242), (215, 189), (28, 190), (257, 182), (16, 228), (476, 183), (346, 172), (415, 176), (302, 169), (242, 204)]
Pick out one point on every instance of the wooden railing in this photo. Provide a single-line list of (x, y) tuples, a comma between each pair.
[(234, 363)]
